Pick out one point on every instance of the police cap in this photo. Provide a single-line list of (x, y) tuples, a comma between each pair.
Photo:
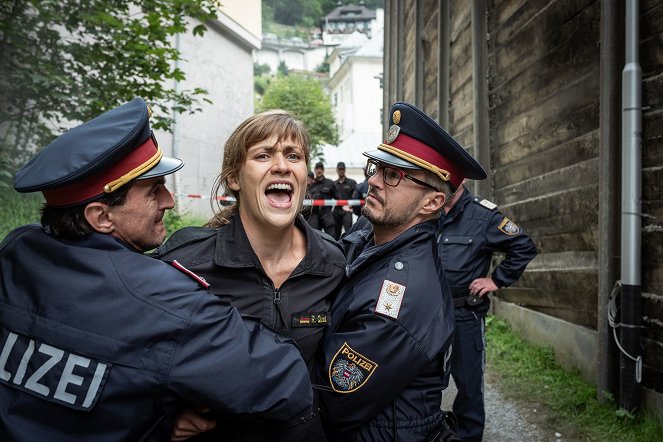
[(415, 141), (97, 158), (340, 165), (319, 165)]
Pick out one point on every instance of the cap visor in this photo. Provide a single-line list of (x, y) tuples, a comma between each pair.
[(392, 160), (166, 166)]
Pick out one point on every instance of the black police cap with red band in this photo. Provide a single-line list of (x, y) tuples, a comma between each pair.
[(415, 141), (96, 158)]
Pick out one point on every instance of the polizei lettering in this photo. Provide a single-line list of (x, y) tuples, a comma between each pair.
[(357, 359), (349, 370), (49, 372)]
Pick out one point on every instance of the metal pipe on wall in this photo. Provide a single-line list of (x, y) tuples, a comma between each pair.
[(630, 388)]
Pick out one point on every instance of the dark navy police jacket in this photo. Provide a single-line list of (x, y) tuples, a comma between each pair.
[(298, 308), (99, 342), (469, 234), (381, 366)]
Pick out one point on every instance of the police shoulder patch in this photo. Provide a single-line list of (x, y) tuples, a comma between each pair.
[(349, 370), (488, 204), (509, 227), (390, 299)]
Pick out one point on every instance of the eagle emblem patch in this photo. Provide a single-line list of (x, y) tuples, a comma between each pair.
[(392, 133), (390, 299), (349, 370), (509, 227)]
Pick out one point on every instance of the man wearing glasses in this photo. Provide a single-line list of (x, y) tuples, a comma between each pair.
[(381, 367)]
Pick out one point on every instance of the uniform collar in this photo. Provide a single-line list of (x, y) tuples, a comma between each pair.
[(233, 248), (361, 250), (463, 201)]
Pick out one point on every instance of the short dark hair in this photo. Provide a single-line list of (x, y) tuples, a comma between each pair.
[(70, 222)]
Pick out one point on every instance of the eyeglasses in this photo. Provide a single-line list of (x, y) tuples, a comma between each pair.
[(392, 176)]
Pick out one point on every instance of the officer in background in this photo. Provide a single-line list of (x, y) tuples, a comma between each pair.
[(322, 189), (344, 188), (381, 367), (471, 229), (361, 189), (100, 342)]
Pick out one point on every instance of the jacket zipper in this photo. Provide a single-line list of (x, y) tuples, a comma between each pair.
[(276, 299)]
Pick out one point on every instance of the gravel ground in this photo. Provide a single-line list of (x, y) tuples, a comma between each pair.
[(506, 420)]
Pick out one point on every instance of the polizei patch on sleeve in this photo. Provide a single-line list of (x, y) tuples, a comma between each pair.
[(50, 373), (390, 299), (509, 227), (349, 370)]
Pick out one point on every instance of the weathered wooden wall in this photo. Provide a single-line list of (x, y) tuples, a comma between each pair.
[(545, 69), (651, 61), (543, 77)]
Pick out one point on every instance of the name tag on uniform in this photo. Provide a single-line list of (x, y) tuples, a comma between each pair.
[(50, 373), (310, 319)]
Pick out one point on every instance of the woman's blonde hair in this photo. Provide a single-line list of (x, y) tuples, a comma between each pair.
[(253, 130)]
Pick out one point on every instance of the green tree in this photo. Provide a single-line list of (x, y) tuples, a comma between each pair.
[(304, 98), (282, 69), (70, 60), (294, 12)]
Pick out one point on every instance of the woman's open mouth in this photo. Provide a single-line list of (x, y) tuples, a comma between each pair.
[(279, 195)]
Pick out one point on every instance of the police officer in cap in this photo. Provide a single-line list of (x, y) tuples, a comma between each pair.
[(471, 229), (322, 188), (344, 189), (381, 367), (100, 342)]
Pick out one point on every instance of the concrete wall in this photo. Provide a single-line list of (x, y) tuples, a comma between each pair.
[(198, 138)]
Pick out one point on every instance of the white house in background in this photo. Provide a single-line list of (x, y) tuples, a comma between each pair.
[(221, 62), (355, 69), (295, 53), (344, 20)]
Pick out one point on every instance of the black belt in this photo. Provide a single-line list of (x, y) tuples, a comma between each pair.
[(462, 297), (459, 302)]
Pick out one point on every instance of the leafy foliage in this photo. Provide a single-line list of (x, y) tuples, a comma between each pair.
[(305, 98), (175, 221), (18, 209), (71, 60)]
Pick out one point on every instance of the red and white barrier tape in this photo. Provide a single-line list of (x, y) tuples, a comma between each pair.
[(307, 202)]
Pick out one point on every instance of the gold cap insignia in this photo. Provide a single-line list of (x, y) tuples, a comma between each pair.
[(149, 111), (397, 116), (392, 133)]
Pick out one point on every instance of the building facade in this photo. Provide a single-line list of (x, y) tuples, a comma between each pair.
[(533, 89), (198, 138), (355, 69)]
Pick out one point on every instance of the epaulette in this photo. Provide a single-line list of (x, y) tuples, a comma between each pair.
[(199, 279), (485, 203), (182, 237)]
